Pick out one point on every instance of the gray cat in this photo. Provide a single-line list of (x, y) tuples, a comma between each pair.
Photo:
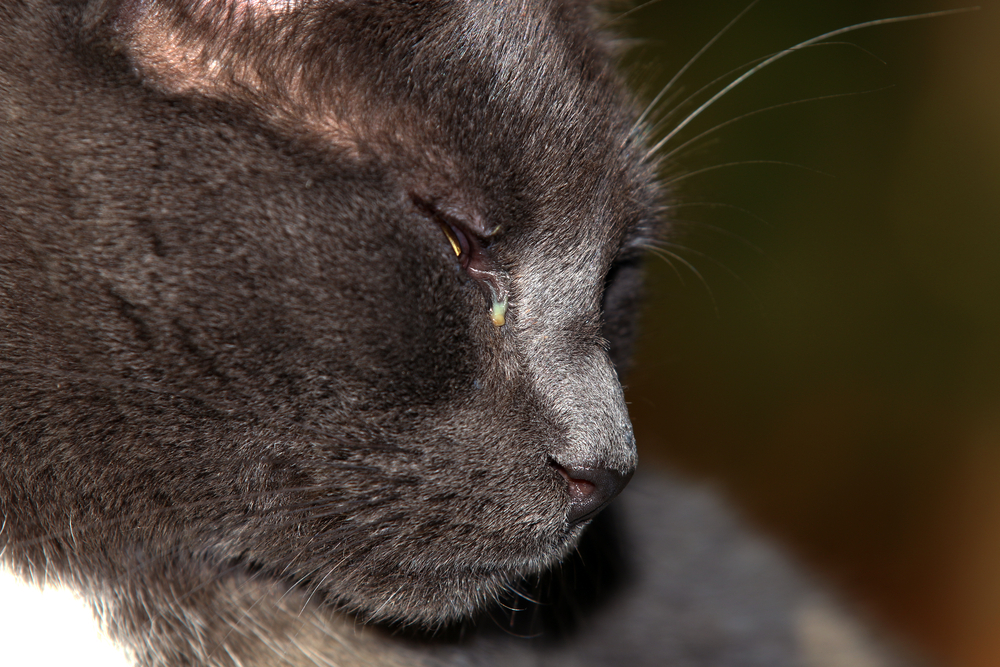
[(311, 320)]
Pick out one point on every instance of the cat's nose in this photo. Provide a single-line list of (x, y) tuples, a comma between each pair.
[(591, 489)]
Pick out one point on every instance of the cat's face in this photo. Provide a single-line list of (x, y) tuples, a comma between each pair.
[(320, 290)]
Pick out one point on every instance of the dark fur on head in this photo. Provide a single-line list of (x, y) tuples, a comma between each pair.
[(233, 335)]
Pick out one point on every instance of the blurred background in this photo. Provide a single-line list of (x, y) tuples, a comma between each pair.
[(822, 339)]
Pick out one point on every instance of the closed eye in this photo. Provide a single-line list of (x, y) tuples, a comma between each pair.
[(462, 242), (473, 255)]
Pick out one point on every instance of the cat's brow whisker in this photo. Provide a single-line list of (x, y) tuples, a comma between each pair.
[(798, 47), (856, 47), (726, 165), (662, 120), (619, 17), (680, 278), (711, 259), (678, 149), (687, 65)]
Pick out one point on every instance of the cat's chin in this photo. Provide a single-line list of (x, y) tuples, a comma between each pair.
[(436, 597)]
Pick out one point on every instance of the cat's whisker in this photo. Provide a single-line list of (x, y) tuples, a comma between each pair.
[(661, 121), (663, 91), (703, 170), (719, 230), (617, 18), (663, 253), (726, 269), (740, 209), (678, 149), (781, 54), (687, 101)]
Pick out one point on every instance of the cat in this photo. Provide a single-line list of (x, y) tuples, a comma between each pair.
[(314, 313)]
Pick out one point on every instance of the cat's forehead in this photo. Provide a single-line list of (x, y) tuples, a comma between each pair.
[(470, 95)]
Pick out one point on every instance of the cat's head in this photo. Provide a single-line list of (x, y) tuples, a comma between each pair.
[(330, 290)]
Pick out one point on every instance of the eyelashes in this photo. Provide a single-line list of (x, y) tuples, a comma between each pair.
[(471, 251)]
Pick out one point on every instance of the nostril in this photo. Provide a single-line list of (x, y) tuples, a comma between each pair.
[(578, 488), (591, 488)]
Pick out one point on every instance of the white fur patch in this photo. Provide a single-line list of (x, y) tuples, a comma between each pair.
[(50, 627)]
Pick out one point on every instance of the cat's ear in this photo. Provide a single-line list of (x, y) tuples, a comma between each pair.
[(211, 47), (268, 55)]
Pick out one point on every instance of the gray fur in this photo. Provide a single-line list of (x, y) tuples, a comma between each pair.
[(255, 408)]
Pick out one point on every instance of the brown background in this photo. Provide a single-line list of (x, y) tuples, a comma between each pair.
[(836, 368)]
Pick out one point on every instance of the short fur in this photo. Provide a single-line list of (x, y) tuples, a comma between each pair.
[(251, 398)]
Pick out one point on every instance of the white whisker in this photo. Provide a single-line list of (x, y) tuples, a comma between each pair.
[(674, 151), (662, 253), (721, 231), (719, 205), (687, 65), (714, 167), (798, 47)]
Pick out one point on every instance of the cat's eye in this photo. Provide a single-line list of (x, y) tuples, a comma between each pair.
[(473, 255), (466, 245), (456, 237)]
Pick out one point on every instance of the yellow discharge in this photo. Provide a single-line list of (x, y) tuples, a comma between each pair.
[(499, 313)]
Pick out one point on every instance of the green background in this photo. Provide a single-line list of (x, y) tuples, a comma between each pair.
[(835, 368)]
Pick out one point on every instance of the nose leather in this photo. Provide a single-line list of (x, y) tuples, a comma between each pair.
[(591, 489)]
